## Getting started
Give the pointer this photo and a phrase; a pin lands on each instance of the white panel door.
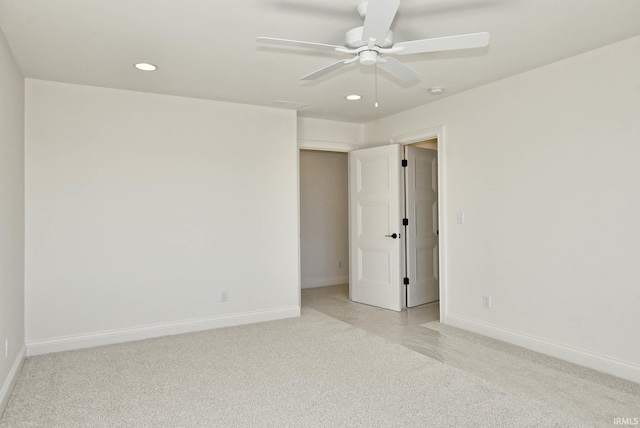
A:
(375, 208)
(422, 232)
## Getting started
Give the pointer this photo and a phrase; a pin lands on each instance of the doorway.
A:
(324, 236)
(421, 223)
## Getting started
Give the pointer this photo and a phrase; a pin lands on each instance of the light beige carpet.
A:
(303, 372)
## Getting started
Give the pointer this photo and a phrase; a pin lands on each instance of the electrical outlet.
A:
(6, 348)
(460, 217)
(486, 301)
(224, 296)
(340, 264)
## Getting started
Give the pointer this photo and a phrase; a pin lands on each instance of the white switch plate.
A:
(460, 217)
(486, 301)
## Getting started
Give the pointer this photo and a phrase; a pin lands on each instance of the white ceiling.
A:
(207, 49)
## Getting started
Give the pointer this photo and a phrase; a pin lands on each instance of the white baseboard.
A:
(622, 369)
(10, 381)
(68, 343)
(324, 282)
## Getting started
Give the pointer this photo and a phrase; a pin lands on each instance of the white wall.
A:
(324, 218)
(545, 167)
(141, 209)
(11, 219)
(331, 135)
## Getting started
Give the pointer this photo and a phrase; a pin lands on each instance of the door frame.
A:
(437, 132)
(401, 139)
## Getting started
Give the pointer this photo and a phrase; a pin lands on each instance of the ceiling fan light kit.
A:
(368, 57)
(372, 43)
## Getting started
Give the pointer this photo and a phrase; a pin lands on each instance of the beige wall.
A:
(11, 218)
(427, 144)
(141, 209)
(545, 167)
(324, 234)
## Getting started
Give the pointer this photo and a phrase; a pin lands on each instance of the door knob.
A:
(393, 235)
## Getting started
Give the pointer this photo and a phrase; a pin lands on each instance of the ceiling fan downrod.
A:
(376, 86)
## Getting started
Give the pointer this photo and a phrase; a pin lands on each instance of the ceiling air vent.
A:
(287, 104)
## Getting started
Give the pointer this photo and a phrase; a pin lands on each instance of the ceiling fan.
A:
(372, 43)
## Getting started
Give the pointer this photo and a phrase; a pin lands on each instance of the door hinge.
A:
(405, 163)
(405, 222)
(406, 281)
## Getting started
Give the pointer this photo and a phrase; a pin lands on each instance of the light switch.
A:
(460, 217)
(486, 301)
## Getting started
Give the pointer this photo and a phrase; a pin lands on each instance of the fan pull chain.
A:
(376, 88)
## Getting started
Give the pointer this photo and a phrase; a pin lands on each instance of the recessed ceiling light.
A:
(145, 66)
(353, 97)
(436, 90)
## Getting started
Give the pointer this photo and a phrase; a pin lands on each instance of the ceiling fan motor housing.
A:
(353, 39)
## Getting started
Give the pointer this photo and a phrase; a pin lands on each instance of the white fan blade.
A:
(328, 69)
(464, 41)
(398, 70)
(297, 43)
(378, 19)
